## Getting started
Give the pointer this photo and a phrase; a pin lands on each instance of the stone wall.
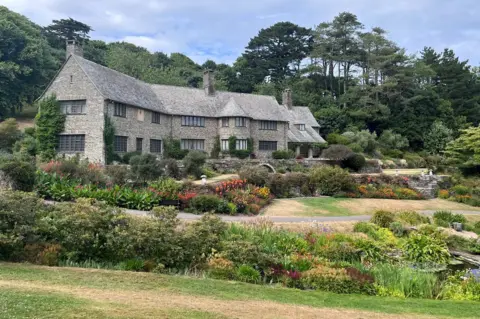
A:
(234, 164)
(426, 185)
(73, 84)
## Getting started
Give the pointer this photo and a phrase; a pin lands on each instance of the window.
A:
(71, 143)
(139, 147)
(241, 145)
(155, 146)
(225, 145)
(120, 144)
(301, 127)
(73, 107)
(225, 121)
(193, 121)
(268, 125)
(192, 145)
(267, 146)
(140, 115)
(156, 117)
(120, 109)
(240, 122)
(71, 79)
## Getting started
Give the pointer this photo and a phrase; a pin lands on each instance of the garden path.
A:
(289, 219)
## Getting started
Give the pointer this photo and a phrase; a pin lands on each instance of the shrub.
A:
(278, 185)
(364, 227)
(247, 273)
(337, 152)
(21, 174)
(194, 162)
(397, 229)
(9, 134)
(355, 162)
(329, 180)
(335, 138)
(423, 249)
(170, 167)
(463, 285)
(283, 154)
(145, 167)
(220, 268)
(205, 203)
(172, 149)
(117, 174)
(128, 156)
(442, 218)
(383, 218)
(443, 194)
(414, 161)
(256, 175)
(412, 218)
(461, 190)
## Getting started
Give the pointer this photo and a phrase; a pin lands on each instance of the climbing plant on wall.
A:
(232, 148)
(109, 139)
(50, 123)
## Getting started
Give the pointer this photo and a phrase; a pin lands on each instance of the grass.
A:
(327, 206)
(31, 291)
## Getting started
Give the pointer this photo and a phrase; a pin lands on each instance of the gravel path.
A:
(288, 219)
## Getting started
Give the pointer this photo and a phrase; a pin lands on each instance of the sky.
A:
(220, 29)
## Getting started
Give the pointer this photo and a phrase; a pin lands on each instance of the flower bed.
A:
(383, 191)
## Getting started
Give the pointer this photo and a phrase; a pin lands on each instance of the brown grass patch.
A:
(304, 227)
(146, 302)
(288, 207)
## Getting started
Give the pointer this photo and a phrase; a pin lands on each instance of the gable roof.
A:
(303, 115)
(119, 87)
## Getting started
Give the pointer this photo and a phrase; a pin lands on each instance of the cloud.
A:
(220, 29)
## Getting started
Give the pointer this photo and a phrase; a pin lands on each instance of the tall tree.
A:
(278, 51)
(67, 29)
(26, 62)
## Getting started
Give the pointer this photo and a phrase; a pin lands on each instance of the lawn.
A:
(42, 292)
(328, 206)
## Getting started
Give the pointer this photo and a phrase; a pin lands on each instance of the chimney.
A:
(208, 82)
(287, 99)
(74, 47)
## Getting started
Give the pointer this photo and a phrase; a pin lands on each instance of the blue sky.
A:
(220, 29)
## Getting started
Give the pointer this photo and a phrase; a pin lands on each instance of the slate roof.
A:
(119, 87)
(176, 100)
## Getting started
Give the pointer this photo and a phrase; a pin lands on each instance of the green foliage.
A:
(423, 249)
(337, 152)
(50, 123)
(9, 134)
(194, 162)
(405, 282)
(412, 218)
(364, 139)
(128, 156)
(27, 63)
(437, 138)
(335, 138)
(171, 168)
(145, 167)
(465, 150)
(364, 227)
(256, 175)
(109, 139)
(329, 180)
(247, 273)
(283, 154)
(446, 218)
(414, 160)
(397, 229)
(172, 149)
(390, 140)
(117, 174)
(461, 190)
(383, 218)
(21, 173)
(355, 162)
(462, 286)
(205, 203)
(216, 148)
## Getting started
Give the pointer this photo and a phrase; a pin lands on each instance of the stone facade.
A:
(73, 84)
(101, 88)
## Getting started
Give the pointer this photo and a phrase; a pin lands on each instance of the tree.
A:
(278, 51)
(26, 62)
(96, 51)
(392, 141)
(67, 29)
(437, 138)
(465, 150)
(9, 134)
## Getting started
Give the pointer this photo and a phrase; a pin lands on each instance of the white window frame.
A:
(192, 144)
(268, 125)
(225, 145)
(240, 122)
(73, 107)
(197, 121)
(241, 145)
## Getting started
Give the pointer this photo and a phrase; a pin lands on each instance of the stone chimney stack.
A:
(287, 99)
(209, 82)
(74, 47)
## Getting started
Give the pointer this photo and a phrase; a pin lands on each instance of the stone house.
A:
(144, 115)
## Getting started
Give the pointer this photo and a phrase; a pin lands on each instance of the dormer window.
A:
(301, 127)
